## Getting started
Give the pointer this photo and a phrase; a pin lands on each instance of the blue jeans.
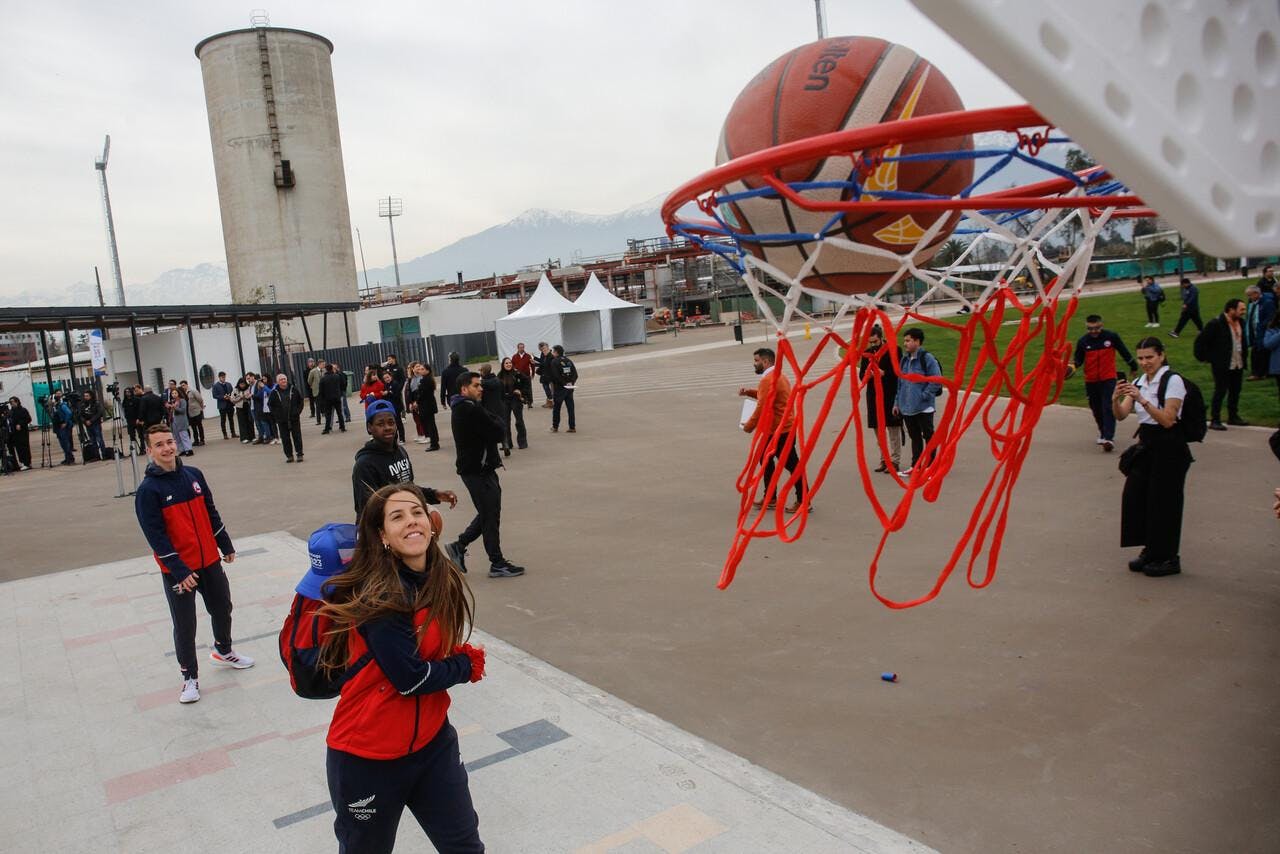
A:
(95, 435)
(1100, 402)
(64, 439)
(264, 428)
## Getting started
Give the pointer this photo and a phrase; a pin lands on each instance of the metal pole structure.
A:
(347, 327)
(66, 342)
(360, 243)
(137, 359)
(195, 365)
(305, 331)
(239, 344)
(101, 166)
(98, 280)
(391, 207)
(48, 370)
(819, 7)
(278, 339)
(324, 332)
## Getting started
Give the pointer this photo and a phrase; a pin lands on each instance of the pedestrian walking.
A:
(1222, 345)
(564, 378)
(1190, 308)
(516, 390)
(915, 398)
(330, 396)
(1096, 351)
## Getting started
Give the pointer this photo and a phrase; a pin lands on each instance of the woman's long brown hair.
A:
(371, 587)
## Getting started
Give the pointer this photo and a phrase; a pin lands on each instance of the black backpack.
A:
(1191, 418)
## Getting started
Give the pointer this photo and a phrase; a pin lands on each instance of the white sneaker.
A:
(1099, 441)
(190, 691)
(24, 468)
(421, 440)
(275, 441)
(905, 473)
(231, 659)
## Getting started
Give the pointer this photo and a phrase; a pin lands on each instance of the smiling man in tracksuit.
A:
(177, 515)
(1096, 351)
(382, 461)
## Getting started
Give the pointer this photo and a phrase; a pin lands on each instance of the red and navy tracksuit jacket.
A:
(1098, 356)
(396, 704)
(181, 524)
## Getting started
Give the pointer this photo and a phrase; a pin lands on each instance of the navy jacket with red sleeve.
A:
(177, 515)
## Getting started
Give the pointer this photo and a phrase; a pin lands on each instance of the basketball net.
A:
(1007, 297)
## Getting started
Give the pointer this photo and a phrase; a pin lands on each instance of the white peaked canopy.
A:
(621, 322)
(548, 316)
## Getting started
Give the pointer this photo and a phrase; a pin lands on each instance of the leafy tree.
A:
(949, 252)
(1078, 160)
(1156, 248)
(1144, 225)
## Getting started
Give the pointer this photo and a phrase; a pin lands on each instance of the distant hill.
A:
(202, 284)
(530, 238)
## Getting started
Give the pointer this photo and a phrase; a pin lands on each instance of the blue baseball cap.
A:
(330, 548)
(377, 408)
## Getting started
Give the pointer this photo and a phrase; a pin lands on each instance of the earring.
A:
(386, 547)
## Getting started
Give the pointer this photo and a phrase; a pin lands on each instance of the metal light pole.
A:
(819, 6)
(101, 166)
(391, 207)
(360, 243)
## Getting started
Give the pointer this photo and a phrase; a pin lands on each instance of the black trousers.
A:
(1259, 361)
(1190, 315)
(245, 416)
(1153, 312)
(1226, 384)
(486, 495)
(920, 429)
(20, 444)
(563, 396)
(330, 408)
(1151, 506)
(791, 463)
(227, 417)
(216, 592)
(369, 796)
(428, 420)
(291, 435)
(311, 406)
(516, 411)
(1099, 395)
(197, 429)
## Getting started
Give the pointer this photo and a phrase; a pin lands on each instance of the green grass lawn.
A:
(1125, 314)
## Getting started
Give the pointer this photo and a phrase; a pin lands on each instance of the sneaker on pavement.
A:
(457, 554)
(190, 691)
(1161, 568)
(300, 459)
(905, 473)
(573, 429)
(288, 459)
(1108, 445)
(506, 569)
(1174, 335)
(421, 440)
(1217, 425)
(231, 659)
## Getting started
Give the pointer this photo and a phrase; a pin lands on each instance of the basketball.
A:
(831, 85)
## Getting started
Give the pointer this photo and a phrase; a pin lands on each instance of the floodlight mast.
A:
(820, 7)
(101, 166)
(391, 207)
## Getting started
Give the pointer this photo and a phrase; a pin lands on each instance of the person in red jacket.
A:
(1096, 352)
(177, 515)
(390, 743)
(372, 389)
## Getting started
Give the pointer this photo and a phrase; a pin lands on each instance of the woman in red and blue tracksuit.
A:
(399, 613)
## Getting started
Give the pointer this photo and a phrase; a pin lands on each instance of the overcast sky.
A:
(470, 111)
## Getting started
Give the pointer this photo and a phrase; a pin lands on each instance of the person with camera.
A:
(129, 408)
(195, 412)
(226, 410)
(91, 421)
(60, 415)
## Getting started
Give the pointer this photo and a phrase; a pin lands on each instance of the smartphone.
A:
(1122, 376)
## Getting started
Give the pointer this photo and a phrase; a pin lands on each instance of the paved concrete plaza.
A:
(1071, 706)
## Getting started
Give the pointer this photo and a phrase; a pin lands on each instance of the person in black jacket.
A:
(424, 405)
(493, 400)
(226, 412)
(564, 377)
(151, 410)
(449, 379)
(516, 391)
(542, 370)
(880, 392)
(129, 406)
(331, 392)
(382, 461)
(1221, 344)
(91, 420)
(476, 434)
(286, 404)
(395, 394)
(19, 424)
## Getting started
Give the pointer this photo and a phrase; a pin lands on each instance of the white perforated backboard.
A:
(1180, 99)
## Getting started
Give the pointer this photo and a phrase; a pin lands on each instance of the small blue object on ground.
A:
(889, 677)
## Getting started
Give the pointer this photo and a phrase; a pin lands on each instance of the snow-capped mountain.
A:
(200, 285)
(530, 238)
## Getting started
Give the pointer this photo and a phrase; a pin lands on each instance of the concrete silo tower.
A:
(277, 155)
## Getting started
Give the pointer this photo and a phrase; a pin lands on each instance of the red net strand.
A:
(1004, 387)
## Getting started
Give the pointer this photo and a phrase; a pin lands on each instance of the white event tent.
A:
(548, 316)
(621, 322)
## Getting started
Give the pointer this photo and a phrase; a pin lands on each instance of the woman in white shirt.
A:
(1151, 507)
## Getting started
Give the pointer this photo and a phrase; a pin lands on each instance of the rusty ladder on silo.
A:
(282, 170)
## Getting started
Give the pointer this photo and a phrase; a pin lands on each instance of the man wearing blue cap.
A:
(382, 460)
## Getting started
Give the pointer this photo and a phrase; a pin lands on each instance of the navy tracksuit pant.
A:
(1099, 395)
(369, 796)
(216, 592)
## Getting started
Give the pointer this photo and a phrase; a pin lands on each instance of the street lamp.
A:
(392, 207)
